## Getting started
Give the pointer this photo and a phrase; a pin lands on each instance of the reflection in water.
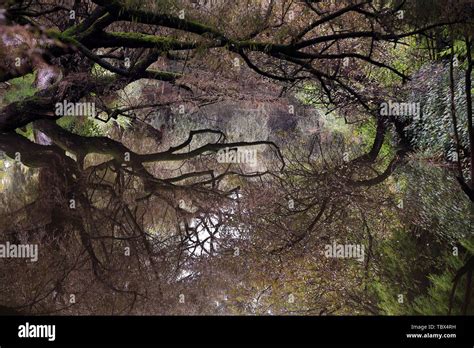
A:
(437, 203)
(224, 239)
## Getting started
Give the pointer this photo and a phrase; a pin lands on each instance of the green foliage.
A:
(100, 72)
(84, 126)
(423, 275)
(20, 88)
(87, 126)
(460, 50)
(418, 262)
(406, 265)
(432, 133)
(402, 58)
(366, 132)
(27, 132)
(436, 199)
(436, 300)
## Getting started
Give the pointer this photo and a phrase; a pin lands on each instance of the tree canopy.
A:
(134, 165)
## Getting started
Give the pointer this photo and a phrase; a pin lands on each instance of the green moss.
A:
(159, 40)
(139, 39)
(54, 33)
(71, 30)
(164, 75)
(100, 72)
(84, 126)
(20, 89)
(27, 132)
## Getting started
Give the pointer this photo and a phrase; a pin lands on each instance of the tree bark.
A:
(469, 108)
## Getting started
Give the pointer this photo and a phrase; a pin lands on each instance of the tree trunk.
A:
(469, 108)
(453, 113)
